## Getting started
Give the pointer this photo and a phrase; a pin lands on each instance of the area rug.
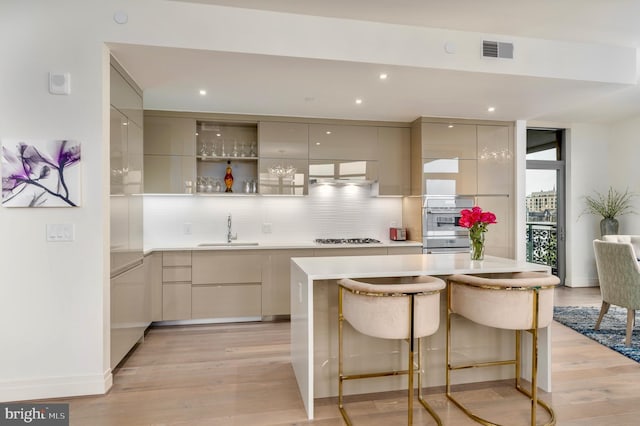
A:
(612, 329)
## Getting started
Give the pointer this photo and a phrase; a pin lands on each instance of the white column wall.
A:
(587, 169)
(54, 317)
(624, 166)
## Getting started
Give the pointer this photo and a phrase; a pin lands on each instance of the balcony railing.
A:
(542, 244)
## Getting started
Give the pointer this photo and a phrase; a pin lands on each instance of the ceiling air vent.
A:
(496, 49)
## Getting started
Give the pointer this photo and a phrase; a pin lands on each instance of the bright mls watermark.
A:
(34, 414)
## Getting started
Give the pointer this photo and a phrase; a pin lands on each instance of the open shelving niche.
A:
(217, 143)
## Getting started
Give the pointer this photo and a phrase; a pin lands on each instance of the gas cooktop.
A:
(346, 241)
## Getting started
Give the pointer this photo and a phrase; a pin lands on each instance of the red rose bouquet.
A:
(477, 221)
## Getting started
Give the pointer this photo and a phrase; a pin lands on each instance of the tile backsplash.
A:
(328, 212)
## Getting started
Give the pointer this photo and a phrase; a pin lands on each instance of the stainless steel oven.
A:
(441, 230)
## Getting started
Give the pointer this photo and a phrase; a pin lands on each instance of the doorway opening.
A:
(545, 199)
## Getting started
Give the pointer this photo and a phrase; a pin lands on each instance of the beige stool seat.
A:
(404, 308)
(521, 301)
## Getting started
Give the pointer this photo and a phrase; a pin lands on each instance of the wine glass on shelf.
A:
(217, 185)
(202, 186)
(234, 153)
(203, 149)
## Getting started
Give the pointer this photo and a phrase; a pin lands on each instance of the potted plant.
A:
(609, 206)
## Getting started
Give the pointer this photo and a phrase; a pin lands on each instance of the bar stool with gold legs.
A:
(520, 301)
(394, 308)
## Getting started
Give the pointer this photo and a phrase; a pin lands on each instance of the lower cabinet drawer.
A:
(226, 300)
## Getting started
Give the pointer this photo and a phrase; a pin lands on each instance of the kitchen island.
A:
(314, 295)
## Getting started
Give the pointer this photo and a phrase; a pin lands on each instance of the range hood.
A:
(343, 172)
(340, 181)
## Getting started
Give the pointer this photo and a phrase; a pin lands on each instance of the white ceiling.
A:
(318, 88)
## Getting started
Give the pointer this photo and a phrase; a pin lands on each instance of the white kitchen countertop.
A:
(320, 268)
(274, 245)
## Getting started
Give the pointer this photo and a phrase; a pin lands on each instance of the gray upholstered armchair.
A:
(619, 276)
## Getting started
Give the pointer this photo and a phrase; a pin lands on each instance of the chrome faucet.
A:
(230, 235)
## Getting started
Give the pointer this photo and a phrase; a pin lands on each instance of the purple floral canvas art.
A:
(43, 173)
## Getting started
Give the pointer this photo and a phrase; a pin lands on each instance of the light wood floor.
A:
(240, 374)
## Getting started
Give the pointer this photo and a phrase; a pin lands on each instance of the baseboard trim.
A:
(55, 387)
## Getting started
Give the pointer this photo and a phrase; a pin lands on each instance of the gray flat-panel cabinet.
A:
(495, 160)
(343, 142)
(283, 140)
(394, 172)
(449, 140)
(169, 154)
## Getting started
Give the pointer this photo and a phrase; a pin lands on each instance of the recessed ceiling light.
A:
(317, 143)
(451, 126)
(328, 132)
(218, 134)
(358, 101)
(383, 76)
(197, 133)
(491, 109)
(203, 92)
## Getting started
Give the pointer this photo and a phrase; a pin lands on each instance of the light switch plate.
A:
(186, 228)
(57, 232)
(266, 228)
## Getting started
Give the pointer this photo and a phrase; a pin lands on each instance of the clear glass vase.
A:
(477, 246)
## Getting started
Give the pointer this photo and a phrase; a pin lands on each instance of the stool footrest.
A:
(547, 408)
(482, 364)
(370, 375)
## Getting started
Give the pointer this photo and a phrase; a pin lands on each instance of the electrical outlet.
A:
(393, 224)
(186, 228)
(266, 228)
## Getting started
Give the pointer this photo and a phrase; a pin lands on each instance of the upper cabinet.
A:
(126, 168)
(169, 136)
(393, 164)
(343, 142)
(190, 153)
(461, 158)
(495, 160)
(224, 147)
(125, 98)
(283, 140)
(449, 140)
(169, 154)
(284, 158)
(117, 151)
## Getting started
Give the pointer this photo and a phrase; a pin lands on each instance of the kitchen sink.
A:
(225, 244)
